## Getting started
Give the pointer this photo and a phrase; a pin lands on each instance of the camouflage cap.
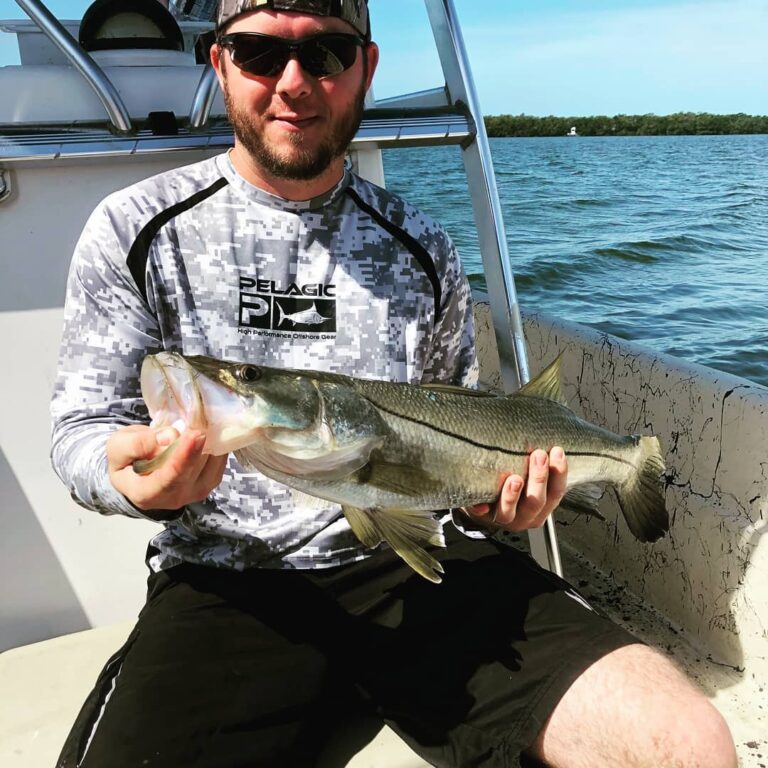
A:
(354, 12)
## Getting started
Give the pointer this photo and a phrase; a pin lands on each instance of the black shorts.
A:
(262, 668)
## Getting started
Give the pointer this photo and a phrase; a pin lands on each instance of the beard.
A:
(303, 163)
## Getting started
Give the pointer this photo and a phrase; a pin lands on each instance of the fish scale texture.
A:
(517, 423)
(200, 262)
(467, 443)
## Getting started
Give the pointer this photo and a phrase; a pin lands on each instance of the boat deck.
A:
(44, 684)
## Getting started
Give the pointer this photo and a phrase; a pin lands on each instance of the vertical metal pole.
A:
(505, 310)
(91, 71)
(203, 98)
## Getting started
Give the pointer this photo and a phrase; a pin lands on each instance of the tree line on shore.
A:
(677, 124)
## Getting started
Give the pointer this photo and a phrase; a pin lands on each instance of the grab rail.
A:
(380, 128)
(91, 71)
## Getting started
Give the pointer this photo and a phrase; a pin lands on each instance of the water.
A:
(662, 240)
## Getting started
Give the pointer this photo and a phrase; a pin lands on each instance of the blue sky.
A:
(570, 57)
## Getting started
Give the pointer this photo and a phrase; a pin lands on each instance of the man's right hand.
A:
(187, 476)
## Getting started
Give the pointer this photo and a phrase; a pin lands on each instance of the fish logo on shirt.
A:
(306, 317)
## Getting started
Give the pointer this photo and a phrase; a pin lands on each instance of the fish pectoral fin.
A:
(250, 458)
(583, 500)
(548, 384)
(406, 531)
(402, 479)
(307, 501)
(331, 465)
(145, 466)
(362, 526)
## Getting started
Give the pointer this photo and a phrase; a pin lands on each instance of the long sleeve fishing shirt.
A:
(199, 261)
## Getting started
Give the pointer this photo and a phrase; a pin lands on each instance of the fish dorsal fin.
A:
(452, 389)
(548, 384)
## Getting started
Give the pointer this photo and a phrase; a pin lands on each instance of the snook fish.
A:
(391, 454)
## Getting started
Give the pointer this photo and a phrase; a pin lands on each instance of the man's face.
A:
(294, 126)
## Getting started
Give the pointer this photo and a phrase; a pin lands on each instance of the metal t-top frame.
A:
(505, 310)
(91, 71)
(80, 59)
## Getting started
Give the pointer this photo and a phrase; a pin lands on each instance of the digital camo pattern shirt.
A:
(198, 261)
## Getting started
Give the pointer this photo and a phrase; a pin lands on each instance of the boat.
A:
(572, 132)
(113, 116)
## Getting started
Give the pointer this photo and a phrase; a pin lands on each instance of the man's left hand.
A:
(527, 504)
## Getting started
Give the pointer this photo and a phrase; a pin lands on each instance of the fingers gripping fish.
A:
(391, 454)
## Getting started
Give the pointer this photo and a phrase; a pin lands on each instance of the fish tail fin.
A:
(640, 496)
(280, 314)
(406, 531)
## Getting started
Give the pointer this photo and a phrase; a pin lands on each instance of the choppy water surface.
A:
(663, 240)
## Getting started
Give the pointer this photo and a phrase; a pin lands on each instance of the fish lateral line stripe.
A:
(417, 250)
(139, 251)
(448, 433)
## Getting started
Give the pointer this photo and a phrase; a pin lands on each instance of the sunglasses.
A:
(320, 55)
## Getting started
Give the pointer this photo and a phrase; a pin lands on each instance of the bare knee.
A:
(634, 708)
(709, 742)
(697, 734)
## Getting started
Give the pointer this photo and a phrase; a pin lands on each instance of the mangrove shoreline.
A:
(677, 124)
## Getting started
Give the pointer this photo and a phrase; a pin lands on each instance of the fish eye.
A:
(248, 373)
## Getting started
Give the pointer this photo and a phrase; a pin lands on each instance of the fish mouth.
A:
(170, 392)
(179, 395)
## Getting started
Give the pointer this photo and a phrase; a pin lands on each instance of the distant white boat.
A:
(572, 132)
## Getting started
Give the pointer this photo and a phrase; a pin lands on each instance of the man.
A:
(267, 624)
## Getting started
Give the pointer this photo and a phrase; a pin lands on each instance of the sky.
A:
(568, 57)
